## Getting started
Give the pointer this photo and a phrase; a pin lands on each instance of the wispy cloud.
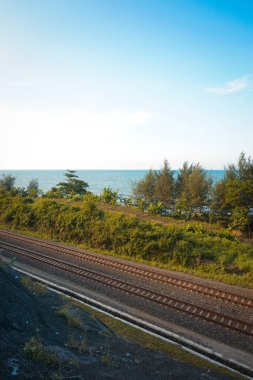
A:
(35, 83)
(232, 86)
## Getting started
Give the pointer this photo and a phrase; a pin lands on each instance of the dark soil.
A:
(81, 346)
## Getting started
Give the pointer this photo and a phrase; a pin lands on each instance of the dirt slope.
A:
(44, 336)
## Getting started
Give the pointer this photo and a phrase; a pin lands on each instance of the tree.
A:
(145, 188)
(193, 189)
(7, 183)
(72, 186)
(164, 186)
(182, 196)
(245, 167)
(221, 201)
(233, 195)
(33, 188)
(156, 187)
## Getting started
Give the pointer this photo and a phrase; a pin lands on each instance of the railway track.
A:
(229, 322)
(134, 269)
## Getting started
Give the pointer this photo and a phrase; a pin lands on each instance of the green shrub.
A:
(189, 246)
(35, 350)
(185, 253)
(33, 286)
(72, 320)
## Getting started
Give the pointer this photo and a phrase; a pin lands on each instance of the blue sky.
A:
(108, 84)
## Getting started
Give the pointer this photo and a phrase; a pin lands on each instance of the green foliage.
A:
(33, 188)
(156, 187)
(189, 246)
(35, 350)
(7, 183)
(239, 218)
(145, 188)
(7, 186)
(155, 208)
(33, 286)
(184, 253)
(193, 188)
(233, 195)
(190, 193)
(72, 320)
(19, 215)
(72, 186)
(53, 193)
(164, 186)
(189, 196)
(105, 359)
(193, 196)
(90, 197)
(109, 196)
(77, 344)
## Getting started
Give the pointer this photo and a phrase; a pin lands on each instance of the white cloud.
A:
(235, 85)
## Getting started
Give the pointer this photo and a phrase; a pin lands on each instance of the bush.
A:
(184, 253)
(35, 350)
(188, 246)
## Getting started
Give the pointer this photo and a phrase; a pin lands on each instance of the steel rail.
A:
(134, 269)
(182, 306)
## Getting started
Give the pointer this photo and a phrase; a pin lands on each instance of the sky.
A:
(109, 84)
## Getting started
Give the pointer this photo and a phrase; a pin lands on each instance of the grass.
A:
(35, 350)
(105, 359)
(151, 342)
(210, 271)
(214, 269)
(74, 363)
(33, 286)
(73, 321)
(80, 345)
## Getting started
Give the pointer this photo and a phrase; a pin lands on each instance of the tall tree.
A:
(222, 203)
(193, 189)
(164, 186)
(233, 195)
(245, 167)
(72, 186)
(7, 183)
(33, 188)
(145, 188)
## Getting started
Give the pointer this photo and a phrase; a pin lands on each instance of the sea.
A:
(118, 180)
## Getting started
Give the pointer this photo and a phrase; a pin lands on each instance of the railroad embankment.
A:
(47, 336)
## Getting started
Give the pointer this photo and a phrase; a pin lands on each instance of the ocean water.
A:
(120, 180)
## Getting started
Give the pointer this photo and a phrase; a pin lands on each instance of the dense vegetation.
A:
(192, 195)
(212, 252)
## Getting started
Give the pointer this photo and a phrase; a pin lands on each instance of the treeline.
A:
(189, 195)
(193, 195)
(69, 188)
(215, 254)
